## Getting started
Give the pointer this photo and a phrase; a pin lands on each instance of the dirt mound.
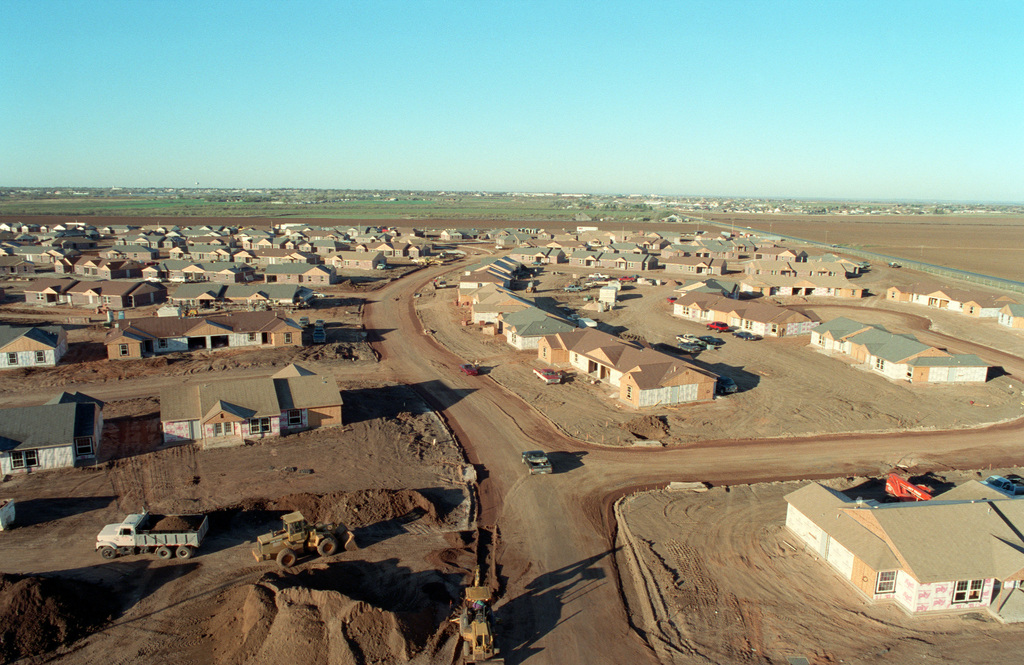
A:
(325, 615)
(173, 523)
(353, 509)
(39, 614)
(647, 427)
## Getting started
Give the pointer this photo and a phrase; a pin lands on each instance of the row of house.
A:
(901, 357)
(759, 318)
(110, 294)
(1006, 310)
(206, 294)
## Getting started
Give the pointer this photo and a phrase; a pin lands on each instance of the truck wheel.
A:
(183, 552)
(108, 552)
(328, 546)
(286, 558)
(163, 552)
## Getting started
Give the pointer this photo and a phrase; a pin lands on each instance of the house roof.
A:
(45, 335)
(46, 425)
(532, 322)
(157, 327)
(958, 360)
(980, 539)
(249, 398)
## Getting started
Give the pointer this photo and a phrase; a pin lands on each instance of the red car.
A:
(719, 326)
(671, 299)
(471, 370)
(548, 375)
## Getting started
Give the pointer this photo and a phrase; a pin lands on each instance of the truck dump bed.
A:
(173, 530)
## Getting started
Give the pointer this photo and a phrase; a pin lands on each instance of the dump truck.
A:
(145, 533)
(297, 536)
(476, 624)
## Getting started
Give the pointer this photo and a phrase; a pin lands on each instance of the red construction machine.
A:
(904, 490)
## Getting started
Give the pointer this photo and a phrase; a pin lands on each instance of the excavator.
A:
(476, 624)
(904, 490)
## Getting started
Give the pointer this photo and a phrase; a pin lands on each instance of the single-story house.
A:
(62, 433)
(1012, 316)
(900, 357)
(49, 290)
(524, 329)
(759, 318)
(924, 556)
(790, 285)
(226, 413)
(116, 294)
(644, 377)
(139, 338)
(32, 346)
(299, 273)
(693, 265)
(355, 261)
(15, 266)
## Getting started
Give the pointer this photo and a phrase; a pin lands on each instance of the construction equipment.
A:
(476, 624)
(904, 490)
(145, 533)
(300, 537)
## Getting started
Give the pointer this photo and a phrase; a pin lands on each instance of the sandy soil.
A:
(776, 376)
(734, 585)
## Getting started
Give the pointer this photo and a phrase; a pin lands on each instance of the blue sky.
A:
(908, 100)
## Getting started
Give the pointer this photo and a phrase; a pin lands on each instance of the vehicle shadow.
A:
(566, 462)
(363, 404)
(39, 511)
(525, 619)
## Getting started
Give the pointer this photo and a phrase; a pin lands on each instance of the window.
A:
(122, 349)
(12, 358)
(23, 459)
(40, 356)
(251, 336)
(287, 338)
(967, 591)
(294, 417)
(513, 340)
(879, 364)
(83, 446)
(259, 425)
(629, 392)
(40, 296)
(544, 352)
(161, 343)
(220, 429)
(886, 582)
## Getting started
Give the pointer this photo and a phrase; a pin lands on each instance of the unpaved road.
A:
(561, 600)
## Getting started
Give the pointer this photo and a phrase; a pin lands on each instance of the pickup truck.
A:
(572, 288)
(537, 461)
(163, 535)
(1008, 486)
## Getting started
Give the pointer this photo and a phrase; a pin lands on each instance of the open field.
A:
(990, 245)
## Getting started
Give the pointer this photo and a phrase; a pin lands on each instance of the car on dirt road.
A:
(537, 461)
(548, 375)
(720, 326)
(711, 341)
(319, 336)
(748, 336)
(629, 278)
(470, 369)
(572, 288)
(725, 386)
(687, 337)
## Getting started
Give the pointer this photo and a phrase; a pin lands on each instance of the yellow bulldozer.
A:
(300, 537)
(476, 624)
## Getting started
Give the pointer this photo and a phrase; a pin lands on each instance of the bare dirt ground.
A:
(392, 474)
(777, 377)
(733, 585)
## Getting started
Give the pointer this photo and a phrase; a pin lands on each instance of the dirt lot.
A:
(777, 377)
(392, 474)
(737, 587)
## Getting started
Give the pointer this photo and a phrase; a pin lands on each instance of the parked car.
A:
(725, 386)
(628, 278)
(671, 299)
(319, 323)
(548, 375)
(304, 321)
(711, 341)
(319, 336)
(895, 265)
(720, 326)
(687, 337)
(598, 275)
(573, 288)
(748, 336)
(537, 461)
(469, 369)
(690, 347)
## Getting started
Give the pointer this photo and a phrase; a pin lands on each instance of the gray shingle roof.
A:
(46, 425)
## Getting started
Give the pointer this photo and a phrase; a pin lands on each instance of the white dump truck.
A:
(163, 535)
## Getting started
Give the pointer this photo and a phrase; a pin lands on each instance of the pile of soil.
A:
(39, 614)
(302, 618)
(647, 427)
(177, 523)
(353, 509)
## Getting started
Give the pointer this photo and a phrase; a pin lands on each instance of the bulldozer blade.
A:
(349, 544)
